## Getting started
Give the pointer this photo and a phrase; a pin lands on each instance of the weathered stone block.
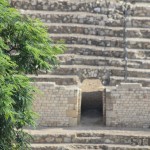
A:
(53, 104)
(72, 113)
(73, 122)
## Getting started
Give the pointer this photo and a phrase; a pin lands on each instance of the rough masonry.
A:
(128, 105)
(57, 105)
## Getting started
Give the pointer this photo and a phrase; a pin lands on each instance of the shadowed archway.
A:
(92, 102)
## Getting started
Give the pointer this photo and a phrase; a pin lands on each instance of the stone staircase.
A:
(85, 28)
(101, 139)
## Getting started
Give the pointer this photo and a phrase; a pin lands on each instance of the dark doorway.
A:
(92, 102)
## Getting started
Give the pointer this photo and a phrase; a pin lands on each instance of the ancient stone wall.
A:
(128, 105)
(57, 105)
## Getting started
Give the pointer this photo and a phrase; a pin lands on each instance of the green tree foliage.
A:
(25, 47)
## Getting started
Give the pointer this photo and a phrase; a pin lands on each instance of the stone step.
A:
(109, 139)
(133, 43)
(87, 18)
(138, 32)
(84, 29)
(141, 9)
(92, 138)
(64, 5)
(137, 9)
(84, 71)
(72, 17)
(88, 40)
(58, 79)
(102, 61)
(63, 28)
(89, 138)
(139, 1)
(74, 80)
(114, 80)
(106, 52)
(117, 132)
(140, 22)
(86, 147)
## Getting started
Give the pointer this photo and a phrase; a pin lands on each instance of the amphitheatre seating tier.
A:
(102, 138)
(101, 61)
(140, 8)
(88, 71)
(133, 43)
(96, 30)
(94, 36)
(59, 80)
(88, 18)
(107, 52)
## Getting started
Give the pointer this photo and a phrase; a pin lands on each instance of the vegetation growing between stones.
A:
(25, 47)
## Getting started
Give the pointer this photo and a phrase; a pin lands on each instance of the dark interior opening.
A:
(92, 104)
